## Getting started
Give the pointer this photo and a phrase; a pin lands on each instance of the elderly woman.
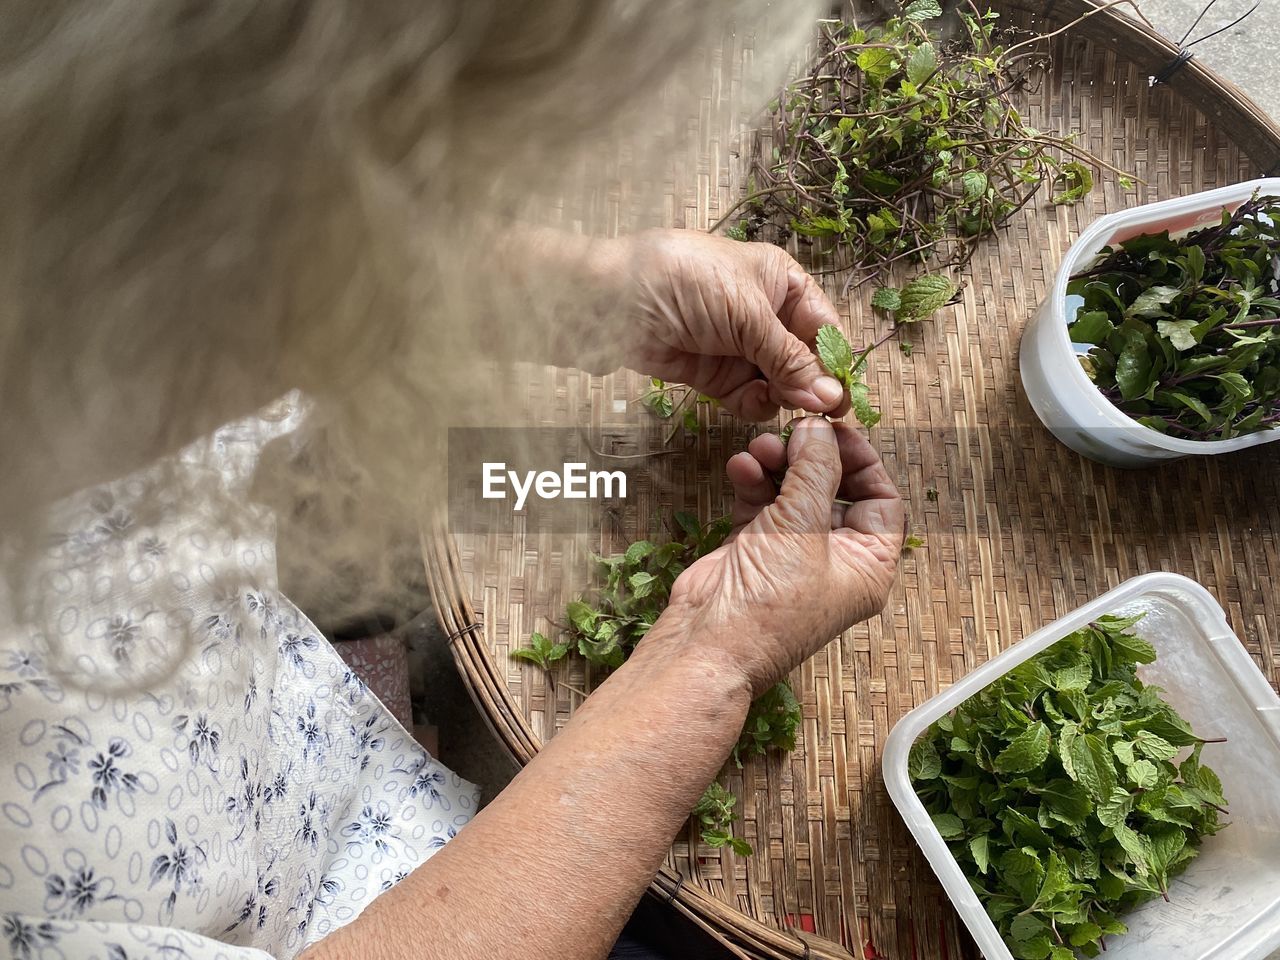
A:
(208, 207)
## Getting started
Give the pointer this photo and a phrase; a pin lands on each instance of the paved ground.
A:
(1247, 55)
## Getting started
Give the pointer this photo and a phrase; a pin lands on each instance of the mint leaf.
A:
(887, 298)
(923, 296)
(1132, 648)
(1116, 808)
(921, 64)
(1143, 774)
(922, 10)
(642, 584)
(979, 849)
(1025, 927)
(1091, 766)
(835, 353)
(771, 724)
(714, 811)
(1026, 752)
(923, 762)
(949, 825)
(877, 63)
(582, 616)
(860, 400)
(1153, 747)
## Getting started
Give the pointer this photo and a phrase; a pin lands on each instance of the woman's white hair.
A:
(204, 205)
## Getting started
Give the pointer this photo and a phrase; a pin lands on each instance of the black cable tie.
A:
(478, 625)
(1185, 56)
(1185, 44)
(675, 891)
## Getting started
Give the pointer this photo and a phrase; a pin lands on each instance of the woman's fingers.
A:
(753, 487)
(876, 506)
(823, 461)
(804, 307)
(796, 377)
(750, 400)
(862, 473)
(769, 449)
(733, 381)
(812, 479)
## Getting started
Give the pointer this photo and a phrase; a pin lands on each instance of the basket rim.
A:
(1220, 100)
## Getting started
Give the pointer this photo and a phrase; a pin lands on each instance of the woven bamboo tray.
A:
(1021, 530)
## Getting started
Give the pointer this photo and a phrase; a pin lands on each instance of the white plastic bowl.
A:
(1226, 906)
(1061, 393)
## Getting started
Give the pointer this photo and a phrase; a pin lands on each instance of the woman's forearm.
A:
(554, 865)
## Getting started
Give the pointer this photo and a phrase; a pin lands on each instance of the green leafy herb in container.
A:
(1059, 791)
(1183, 334)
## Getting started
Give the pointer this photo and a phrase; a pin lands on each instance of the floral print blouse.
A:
(187, 768)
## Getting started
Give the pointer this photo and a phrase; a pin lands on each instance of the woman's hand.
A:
(798, 567)
(609, 791)
(734, 320)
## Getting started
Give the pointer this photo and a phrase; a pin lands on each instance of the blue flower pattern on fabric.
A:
(252, 801)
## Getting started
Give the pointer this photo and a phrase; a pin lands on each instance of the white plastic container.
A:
(1061, 393)
(1226, 906)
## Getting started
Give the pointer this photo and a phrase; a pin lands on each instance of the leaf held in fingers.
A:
(860, 399)
(835, 353)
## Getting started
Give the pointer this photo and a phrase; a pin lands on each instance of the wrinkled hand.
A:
(734, 320)
(798, 567)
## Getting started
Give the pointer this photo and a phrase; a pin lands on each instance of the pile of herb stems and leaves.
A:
(604, 626)
(900, 145)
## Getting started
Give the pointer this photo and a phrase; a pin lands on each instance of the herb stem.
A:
(881, 341)
(1249, 324)
(742, 202)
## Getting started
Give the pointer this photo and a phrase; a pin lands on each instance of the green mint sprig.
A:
(837, 356)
